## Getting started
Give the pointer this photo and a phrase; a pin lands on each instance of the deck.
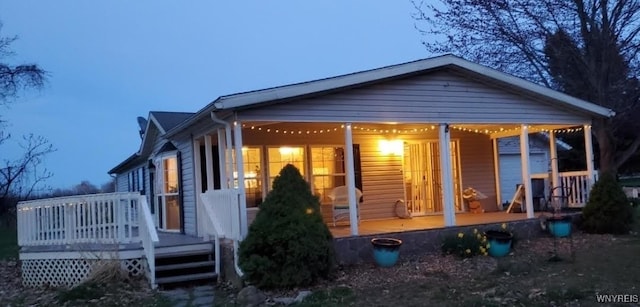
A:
(367, 228)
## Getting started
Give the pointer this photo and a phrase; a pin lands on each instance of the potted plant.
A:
(386, 251)
(559, 225)
(499, 241)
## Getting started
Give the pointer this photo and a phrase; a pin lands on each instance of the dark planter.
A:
(499, 242)
(386, 251)
(559, 226)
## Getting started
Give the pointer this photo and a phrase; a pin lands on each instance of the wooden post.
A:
(526, 169)
(555, 176)
(237, 134)
(588, 148)
(446, 175)
(351, 180)
(496, 172)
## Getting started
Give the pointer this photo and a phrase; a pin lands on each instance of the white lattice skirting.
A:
(69, 272)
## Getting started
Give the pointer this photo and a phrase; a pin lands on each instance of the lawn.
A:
(8, 240)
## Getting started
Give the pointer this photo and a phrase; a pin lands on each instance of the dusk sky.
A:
(111, 61)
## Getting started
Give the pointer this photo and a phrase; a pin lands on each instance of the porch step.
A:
(179, 267)
(186, 278)
(187, 265)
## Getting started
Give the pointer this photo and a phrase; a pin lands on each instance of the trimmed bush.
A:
(288, 244)
(608, 209)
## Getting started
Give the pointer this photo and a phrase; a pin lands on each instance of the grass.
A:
(8, 239)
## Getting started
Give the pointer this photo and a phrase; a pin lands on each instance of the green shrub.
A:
(465, 244)
(288, 244)
(608, 209)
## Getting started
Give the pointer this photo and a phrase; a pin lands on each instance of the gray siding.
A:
(435, 97)
(122, 183)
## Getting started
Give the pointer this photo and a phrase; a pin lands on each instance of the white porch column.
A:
(198, 183)
(553, 160)
(222, 159)
(209, 161)
(496, 172)
(237, 134)
(446, 175)
(526, 169)
(351, 179)
(588, 148)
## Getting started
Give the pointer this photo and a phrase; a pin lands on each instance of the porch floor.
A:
(425, 222)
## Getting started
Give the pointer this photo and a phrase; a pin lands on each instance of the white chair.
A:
(340, 203)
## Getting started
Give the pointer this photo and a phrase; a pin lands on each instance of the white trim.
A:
(351, 180)
(380, 74)
(526, 169)
(444, 136)
(300, 89)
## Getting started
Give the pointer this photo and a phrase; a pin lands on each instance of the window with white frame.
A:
(327, 170)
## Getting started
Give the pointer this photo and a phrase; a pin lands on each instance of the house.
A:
(412, 136)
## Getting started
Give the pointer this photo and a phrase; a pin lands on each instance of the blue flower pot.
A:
(386, 251)
(499, 242)
(559, 226)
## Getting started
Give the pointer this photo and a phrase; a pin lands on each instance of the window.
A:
(169, 193)
(252, 164)
(279, 157)
(327, 170)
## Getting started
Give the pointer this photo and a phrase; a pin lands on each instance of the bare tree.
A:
(20, 177)
(587, 48)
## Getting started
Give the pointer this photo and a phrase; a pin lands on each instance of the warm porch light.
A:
(391, 147)
(288, 151)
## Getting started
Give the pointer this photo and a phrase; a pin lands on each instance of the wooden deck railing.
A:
(574, 186)
(98, 218)
(220, 218)
(148, 238)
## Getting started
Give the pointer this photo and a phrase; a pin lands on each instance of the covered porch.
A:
(418, 169)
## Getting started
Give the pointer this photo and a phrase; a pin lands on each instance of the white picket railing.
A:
(148, 237)
(575, 186)
(97, 218)
(222, 217)
(219, 217)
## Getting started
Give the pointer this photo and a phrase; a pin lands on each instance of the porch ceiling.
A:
(493, 130)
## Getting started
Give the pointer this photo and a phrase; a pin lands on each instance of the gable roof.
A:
(162, 122)
(168, 120)
(322, 86)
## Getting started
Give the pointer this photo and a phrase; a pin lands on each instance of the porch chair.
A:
(340, 203)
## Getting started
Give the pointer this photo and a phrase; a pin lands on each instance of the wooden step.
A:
(160, 255)
(187, 265)
(183, 278)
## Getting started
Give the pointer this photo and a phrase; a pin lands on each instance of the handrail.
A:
(149, 237)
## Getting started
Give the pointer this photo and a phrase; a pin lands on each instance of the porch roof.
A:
(333, 84)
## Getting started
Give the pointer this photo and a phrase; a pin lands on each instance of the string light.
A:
(502, 130)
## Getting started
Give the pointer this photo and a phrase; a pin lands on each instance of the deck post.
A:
(555, 175)
(526, 169)
(588, 148)
(209, 160)
(222, 154)
(446, 175)
(351, 180)
(496, 172)
(237, 134)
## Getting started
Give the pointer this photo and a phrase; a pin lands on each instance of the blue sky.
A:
(111, 61)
